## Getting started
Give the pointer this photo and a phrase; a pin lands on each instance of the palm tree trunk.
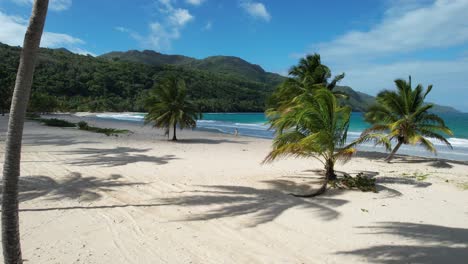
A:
(329, 176)
(174, 137)
(390, 157)
(11, 169)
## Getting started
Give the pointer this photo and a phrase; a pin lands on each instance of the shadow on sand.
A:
(262, 205)
(74, 186)
(398, 159)
(209, 141)
(49, 140)
(113, 157)
(436, 244)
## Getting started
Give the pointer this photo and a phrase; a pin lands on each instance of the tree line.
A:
(64, 81)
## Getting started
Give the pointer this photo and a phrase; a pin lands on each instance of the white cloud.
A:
(160, 37)
(392, 49)
(256, 10)
(448, 77)
(14, 27)
(442, 24)
(82, 51)
(162, 33)
(195, 2)
(180, 17)
(55, 5)
(122, 29)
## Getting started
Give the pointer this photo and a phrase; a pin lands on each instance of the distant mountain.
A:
(120, 81)
(225, 65)
(239, 68)
(358, 101)
(149, 57)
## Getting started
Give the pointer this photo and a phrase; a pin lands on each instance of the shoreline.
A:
(89, 198)
(91, 117)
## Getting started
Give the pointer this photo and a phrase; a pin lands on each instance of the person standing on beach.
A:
(236, 132)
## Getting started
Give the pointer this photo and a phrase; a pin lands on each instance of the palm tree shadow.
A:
(436, 244)
(401, 158)
(262, 205)
(75, 187)
(113, 157)
(209, 141)
(51, 140)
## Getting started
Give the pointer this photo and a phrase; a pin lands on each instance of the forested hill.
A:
(223, 65)
(86, 83)
(120, 81)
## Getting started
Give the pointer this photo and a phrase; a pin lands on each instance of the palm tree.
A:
(404, 116)
(308, 76)
(313, 126)
(169, 107)
(11, 169)
(310, 70)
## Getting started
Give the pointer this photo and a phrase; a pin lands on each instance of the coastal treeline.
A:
(64, 81)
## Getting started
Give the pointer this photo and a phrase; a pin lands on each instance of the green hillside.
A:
(120, 81)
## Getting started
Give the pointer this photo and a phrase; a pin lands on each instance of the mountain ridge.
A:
(119, 81)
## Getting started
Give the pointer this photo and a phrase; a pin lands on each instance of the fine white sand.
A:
(89, 198)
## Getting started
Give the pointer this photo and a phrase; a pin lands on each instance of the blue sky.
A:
(372, 41)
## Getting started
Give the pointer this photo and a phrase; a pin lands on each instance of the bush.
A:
(360, 182)
(56, 122)
(82, 125)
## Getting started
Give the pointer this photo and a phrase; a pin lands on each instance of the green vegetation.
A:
(64, 81)
(463, 186)
(168, 107)
(226, 66)
(120, 81)
(404, 116)
(419, 176)
(82, 125)
(55, 122)
(360, 182)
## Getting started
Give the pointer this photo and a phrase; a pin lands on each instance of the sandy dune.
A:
(88, 198)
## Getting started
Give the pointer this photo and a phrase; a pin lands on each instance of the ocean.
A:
(254, 125)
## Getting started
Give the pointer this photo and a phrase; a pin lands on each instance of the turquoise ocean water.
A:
(254, 125)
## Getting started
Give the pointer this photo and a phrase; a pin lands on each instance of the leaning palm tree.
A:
(11, 169)
(168, 107)
(314, 125)
(405, 118)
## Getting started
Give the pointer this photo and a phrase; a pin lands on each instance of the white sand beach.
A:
(138, 198)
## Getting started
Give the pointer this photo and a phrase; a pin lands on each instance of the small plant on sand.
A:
(419, 176)
(359, 182)
(82, 125)
(463, 186)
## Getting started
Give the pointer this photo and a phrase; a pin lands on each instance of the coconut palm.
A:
(404, 117)
(168, 107)
(306, 77)
(313, 126)
(11, 168)
(310, 70)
